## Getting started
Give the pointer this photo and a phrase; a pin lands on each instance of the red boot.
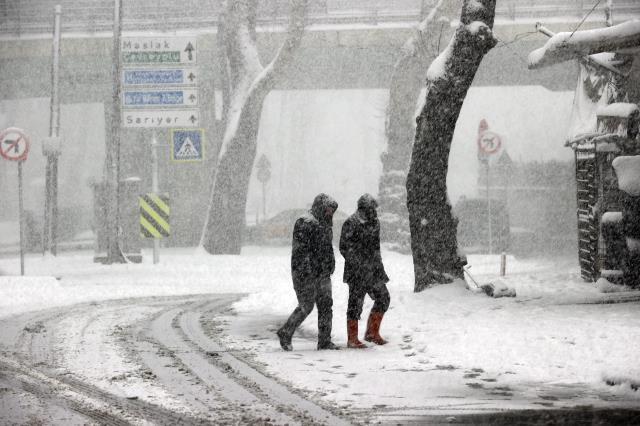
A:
(352, 335)
(373, 328)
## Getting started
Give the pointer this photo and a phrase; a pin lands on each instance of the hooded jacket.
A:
(311, 248)
(360, 245)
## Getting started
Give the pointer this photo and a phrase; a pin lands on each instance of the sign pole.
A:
(21, 218)
(51, 185)
(14, 146)
(489, 211)
(155, 189)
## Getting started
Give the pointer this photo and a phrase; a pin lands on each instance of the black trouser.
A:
(378, 292)
(310, 292)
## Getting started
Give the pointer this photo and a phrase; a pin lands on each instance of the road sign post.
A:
(264, 174)
(14, 146)
(155, 187)
(160, 90)
(489, 143)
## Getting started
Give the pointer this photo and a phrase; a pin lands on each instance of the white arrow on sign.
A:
(161, 118)
(160, 77)
(146, 98)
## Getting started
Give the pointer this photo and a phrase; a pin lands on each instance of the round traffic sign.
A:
(14, 144)
(489, 142)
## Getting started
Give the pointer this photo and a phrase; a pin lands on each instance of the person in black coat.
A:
(364, 271)
(312, 263)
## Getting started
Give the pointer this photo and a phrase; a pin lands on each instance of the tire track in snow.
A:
(151, 331)
(277, 393)
(198, 363)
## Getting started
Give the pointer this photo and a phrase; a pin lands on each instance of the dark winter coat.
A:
(312, 249)
(360, 246)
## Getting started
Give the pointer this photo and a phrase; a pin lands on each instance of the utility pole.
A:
(114, 254)
(155, 188)
(52, 148)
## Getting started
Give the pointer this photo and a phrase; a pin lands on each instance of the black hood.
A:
(319, 208)
(367, 207)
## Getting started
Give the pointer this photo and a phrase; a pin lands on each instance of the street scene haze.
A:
(319, 212)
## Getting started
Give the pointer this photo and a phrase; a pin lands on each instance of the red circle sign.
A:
(14, 144)
(489, 142)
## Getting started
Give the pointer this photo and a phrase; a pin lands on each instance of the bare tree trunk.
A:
(407, 80)
(433, 228)
(249, 84)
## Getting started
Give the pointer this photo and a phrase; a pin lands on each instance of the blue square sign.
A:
(187, 145)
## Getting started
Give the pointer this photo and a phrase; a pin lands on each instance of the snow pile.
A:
(611, 218)
(618, 109)
(605, 286)
(24, 293)
(628, 171)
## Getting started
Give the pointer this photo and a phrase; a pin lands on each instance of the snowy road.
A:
(175, 342)
(126, 361)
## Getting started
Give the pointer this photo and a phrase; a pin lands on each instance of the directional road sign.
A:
(157, 118)
(14, 144)
(160, 98)
(187, 145)
(158, 50)
(160, 77)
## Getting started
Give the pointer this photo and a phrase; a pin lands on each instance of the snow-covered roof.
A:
(623, 38)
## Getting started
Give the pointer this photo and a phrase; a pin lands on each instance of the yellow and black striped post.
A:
(154, 216)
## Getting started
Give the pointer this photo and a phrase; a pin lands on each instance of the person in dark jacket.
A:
(312, 263)
(364, 271)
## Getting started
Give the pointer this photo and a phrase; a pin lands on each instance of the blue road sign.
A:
(187, 144)
(158, 77)
(174, 97)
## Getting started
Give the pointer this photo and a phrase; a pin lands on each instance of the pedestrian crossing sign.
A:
(187, 145)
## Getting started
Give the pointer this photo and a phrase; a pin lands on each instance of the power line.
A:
(584, 19)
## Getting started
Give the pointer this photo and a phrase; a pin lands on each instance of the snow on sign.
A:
(160, 77)
(159, 50)
(187, 145)
(161, 118)
(170, 97)
(14, 144)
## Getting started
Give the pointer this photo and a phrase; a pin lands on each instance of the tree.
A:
(433, 228)
(407, 80)
(248, 83)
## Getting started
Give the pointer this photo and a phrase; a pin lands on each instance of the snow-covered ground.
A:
(451, 350)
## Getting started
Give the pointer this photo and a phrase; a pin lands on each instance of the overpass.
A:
(349, 45)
